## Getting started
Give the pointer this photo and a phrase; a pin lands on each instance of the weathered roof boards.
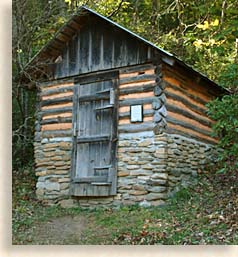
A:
(119, 120)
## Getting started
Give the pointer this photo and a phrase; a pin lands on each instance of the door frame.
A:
(87, 79)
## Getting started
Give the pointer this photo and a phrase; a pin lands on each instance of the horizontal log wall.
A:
(141, 85)
(55, 112)
(54, 116)
(186, 105)
(136, 87)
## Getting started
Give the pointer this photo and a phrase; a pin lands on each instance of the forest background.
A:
(202, 33)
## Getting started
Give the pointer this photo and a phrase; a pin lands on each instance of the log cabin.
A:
(119, 121)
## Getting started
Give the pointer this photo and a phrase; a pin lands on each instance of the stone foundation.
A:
(151, 168)
(142, 173)
(53, 161)
(185, 158)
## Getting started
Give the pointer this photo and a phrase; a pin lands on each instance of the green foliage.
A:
(229, 78)
(225, 112)
(183, 194)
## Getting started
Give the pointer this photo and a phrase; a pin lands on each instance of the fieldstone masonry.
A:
(53, 161)
(151, 168)
(185, 157)
(142, 168)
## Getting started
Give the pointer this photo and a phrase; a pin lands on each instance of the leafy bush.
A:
(225, 112)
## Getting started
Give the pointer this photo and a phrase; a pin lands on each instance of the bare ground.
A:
(62, 230)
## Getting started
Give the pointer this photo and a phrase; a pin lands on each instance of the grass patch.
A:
(202, 214)
(194, 216)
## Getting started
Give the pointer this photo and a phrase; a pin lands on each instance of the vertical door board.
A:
(93, 169)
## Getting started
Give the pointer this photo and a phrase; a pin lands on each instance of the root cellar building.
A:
(119, 120)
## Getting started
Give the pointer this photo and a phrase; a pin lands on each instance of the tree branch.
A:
(117, 10)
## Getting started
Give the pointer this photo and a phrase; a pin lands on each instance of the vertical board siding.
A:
(73, 45)
(97, 48)
(186, 105)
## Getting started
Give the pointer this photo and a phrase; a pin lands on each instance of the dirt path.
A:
(62, 230)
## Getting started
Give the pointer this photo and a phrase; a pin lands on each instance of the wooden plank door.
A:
(95, 135)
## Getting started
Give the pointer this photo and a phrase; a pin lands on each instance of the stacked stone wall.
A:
(52, 160)
(142, 176)
(151, 168)
(185, 159)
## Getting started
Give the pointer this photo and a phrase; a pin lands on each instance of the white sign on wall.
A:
(136, 113)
